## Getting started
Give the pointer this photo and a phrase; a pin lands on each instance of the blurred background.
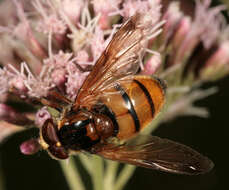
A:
(208, 136)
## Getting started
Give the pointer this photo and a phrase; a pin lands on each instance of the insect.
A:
(113, 105)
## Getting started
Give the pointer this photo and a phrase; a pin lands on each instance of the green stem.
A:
(97, 173)
(124, 176)
(86, 162)
(72, 175)
(110, 174)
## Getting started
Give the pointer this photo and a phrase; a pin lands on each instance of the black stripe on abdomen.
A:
(129, 106)
(147, 94)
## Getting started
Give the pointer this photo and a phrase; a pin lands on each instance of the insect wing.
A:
(120, 58)
(160, 154)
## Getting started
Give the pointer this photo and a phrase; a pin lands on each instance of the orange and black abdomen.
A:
(132, 104)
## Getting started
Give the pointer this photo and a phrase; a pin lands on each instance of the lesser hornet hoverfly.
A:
(114, 103)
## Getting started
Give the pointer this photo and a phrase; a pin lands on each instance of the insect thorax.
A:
(85, 129)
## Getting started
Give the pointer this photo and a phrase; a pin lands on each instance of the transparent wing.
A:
(160, 154)
(120, 58)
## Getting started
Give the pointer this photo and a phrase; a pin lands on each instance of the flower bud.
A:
(172, 17)
(181, 32)
(221, 56)
(218, 63)
(72, 9)
(152, 64)
(82, 57)
(18, 83)
(59, 77)
(23, 31)
(105, 21)
(41, 116)
(104, 8)
(30, 147)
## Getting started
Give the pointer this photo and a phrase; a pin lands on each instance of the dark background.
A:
(208, 136)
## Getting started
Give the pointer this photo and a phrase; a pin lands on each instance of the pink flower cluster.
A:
(195, 38)
(61, 43)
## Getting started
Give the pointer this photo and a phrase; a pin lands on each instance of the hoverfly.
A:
(115, 104)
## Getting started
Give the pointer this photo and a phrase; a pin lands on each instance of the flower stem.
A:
(110, 175)
(97, 173)
(124, 176)
(71, 174)
(86, 162)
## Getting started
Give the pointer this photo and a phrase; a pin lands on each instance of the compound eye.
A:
(49, 132)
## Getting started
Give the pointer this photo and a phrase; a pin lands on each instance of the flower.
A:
(205, 28)
(41, 116)
(152, 64)
(73, 9)
(105, 9)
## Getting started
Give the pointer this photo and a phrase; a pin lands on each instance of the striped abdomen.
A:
(133, 104)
